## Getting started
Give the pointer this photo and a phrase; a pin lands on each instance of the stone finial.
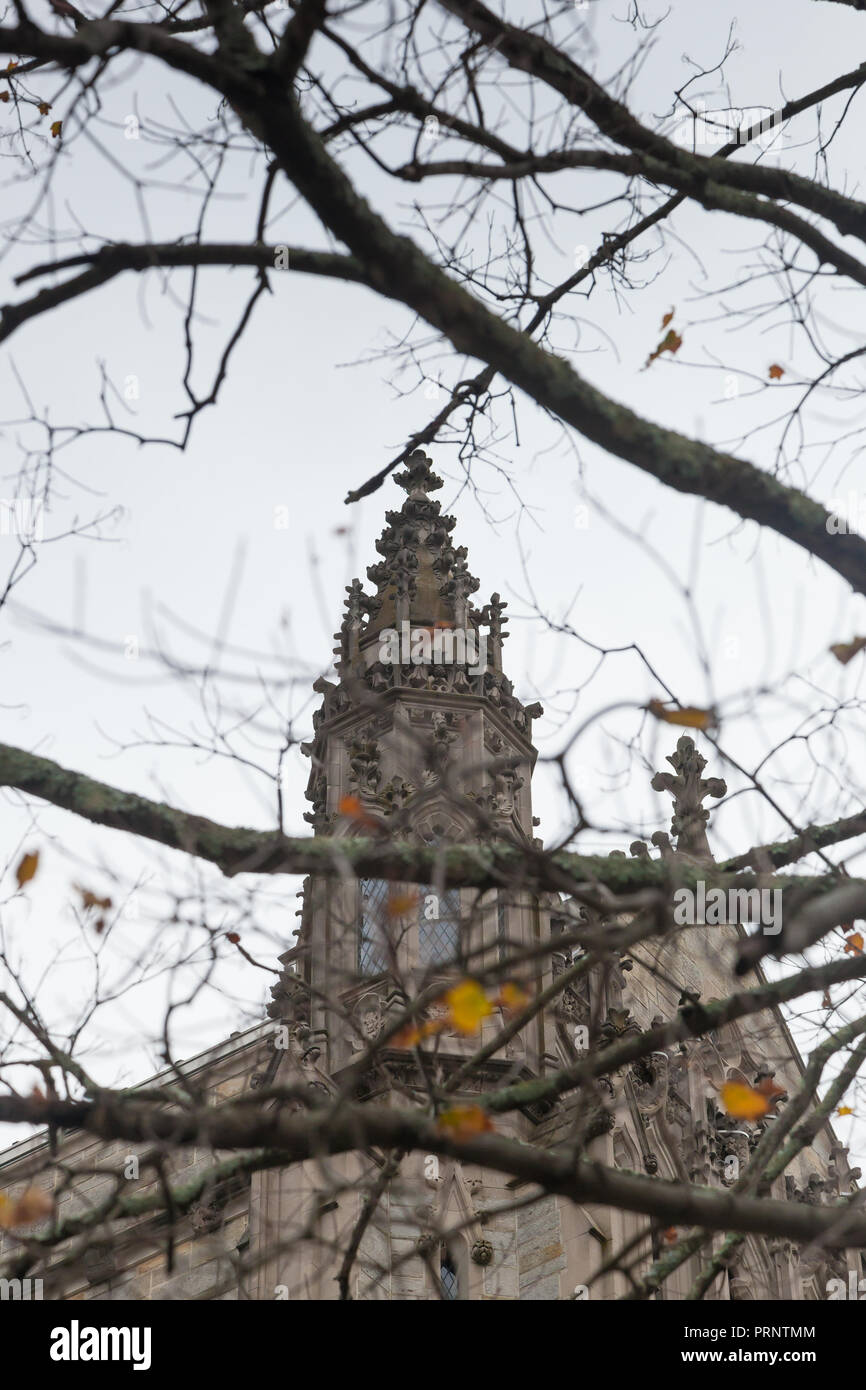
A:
(418, 478)
(688, 789)
(493, 616)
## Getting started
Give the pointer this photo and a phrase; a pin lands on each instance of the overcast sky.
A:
(310, 409)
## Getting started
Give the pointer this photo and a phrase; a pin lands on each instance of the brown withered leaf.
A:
(671, 342)
(27, 867)
(89, 899)
(667, 318)
(846, 651)
(776, 372)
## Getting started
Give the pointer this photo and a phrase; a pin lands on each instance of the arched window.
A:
(449, 1283)
(438, 925)
(372, 907)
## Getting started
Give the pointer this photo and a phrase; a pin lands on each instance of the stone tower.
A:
(422, 736)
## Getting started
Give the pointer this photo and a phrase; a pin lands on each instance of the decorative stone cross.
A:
(493, 615)
(688, 789)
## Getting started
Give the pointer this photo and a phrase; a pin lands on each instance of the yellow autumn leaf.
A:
(27, 868)
(44, 108)
(467, 1005)
(463, 1121)
(854, 945)
(689, 716)
(743, 1102)
(844, 1110)
(56, 128)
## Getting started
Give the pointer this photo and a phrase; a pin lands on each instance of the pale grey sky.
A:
(308, 412)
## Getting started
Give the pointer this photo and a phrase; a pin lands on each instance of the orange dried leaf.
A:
(512, 997)
(401, 903)
(667, 318)
(844, 1110)
(33, 1205)
(689, 716)
(44, 108)
(463, 1121)
(776, 372)
(467, 1006)
(854, 945)
(768, 1088)
(350, 806)
(671, 342)
(743, 1102)
(414, 1033)
(846, 651)
(408, 1036)
(27, 868)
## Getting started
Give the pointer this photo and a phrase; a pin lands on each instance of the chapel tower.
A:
(422, 739)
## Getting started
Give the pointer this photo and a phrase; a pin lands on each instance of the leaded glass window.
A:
(438, 925)
(372, 910)
(448, 1280)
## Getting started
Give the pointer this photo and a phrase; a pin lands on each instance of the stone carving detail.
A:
(364, 771)
(689, 788)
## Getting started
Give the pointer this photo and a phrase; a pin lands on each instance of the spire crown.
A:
(418, 478)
